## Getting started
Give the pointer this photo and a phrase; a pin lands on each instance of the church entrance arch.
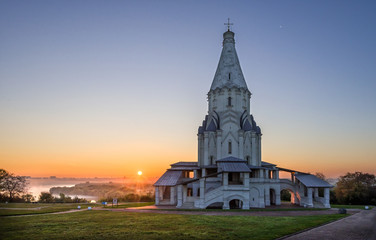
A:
(287, 195)
(272, 197)
(293, 199)
(236, 204)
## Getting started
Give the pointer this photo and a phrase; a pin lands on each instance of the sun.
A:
(139, 173)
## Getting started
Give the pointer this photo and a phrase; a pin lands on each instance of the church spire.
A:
(229, 73)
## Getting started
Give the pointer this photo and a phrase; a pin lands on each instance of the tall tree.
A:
(355, 188)
(12, 185)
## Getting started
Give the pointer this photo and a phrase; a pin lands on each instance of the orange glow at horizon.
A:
(124, 157)
(111, 163)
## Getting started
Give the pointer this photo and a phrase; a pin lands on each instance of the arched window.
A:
(229, 148)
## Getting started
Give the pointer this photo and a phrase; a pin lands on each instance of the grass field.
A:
(39, 208)
(125, 225)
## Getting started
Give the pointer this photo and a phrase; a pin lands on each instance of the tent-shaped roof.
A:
(233, 164)
(310, 180)
(229, 73)
(231, 159)
(185, 164)
(169, 178)
(233, 167)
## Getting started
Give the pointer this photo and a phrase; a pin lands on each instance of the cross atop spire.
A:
(228, 24)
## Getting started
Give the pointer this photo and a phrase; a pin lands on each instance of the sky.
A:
(108, 88)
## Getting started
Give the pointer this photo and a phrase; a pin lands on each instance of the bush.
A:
(46, 197)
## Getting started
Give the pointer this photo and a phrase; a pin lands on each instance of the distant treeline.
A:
(108, 191)
(46, 197)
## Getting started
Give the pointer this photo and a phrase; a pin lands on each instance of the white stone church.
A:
(230, 172)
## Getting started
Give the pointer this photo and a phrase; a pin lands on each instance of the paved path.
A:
(360, 226)
(230, 213)
(41, 214)
(36, 208)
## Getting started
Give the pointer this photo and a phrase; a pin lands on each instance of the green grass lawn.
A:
(126, 225)
(350, 206)
(39, 208)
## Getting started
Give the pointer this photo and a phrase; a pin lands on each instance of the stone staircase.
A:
(216, 195)
(317, 204)
(187, 205)
(165, 202)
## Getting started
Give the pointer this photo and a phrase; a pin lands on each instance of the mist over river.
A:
(136, 185)
(38, 185)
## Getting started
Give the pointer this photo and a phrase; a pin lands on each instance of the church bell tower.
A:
(229, 130)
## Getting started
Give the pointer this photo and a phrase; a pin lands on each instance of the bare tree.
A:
(320, 175)
(11, 184)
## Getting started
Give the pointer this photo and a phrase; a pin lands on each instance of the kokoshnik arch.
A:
(230, 172)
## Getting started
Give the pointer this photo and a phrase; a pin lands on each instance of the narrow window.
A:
(229, 76)
(229, 148)
(229, 101)
(211, 160)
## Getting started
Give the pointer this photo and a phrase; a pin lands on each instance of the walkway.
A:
(47, 213)
(170, 210)
(360, 226)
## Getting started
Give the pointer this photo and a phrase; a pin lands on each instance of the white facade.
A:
(230, 172)
(229, 129)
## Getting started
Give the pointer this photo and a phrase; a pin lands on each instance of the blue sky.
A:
(85, 82)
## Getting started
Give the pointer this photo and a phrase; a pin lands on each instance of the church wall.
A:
(212, 148)
(209, 142)
(229, 116)
(200, 149)
(229, 142)
(254, 195)
(247, 147)
(218, 100)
